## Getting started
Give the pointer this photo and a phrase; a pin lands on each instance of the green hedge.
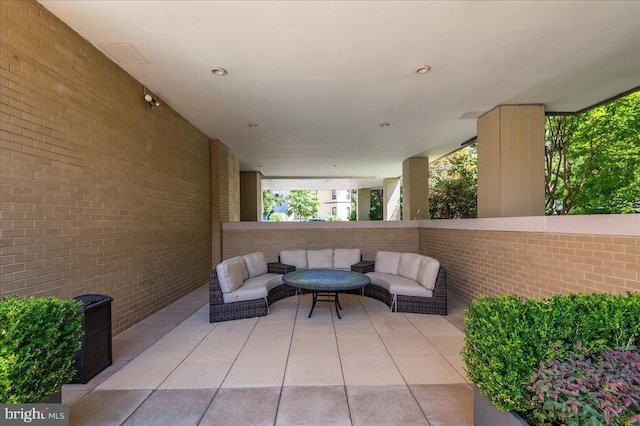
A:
(507, 337)
(38, 341)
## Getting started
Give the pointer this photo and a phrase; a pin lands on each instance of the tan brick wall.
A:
(99, 194)
(234, 189)
(225, 194)
(238, 242)
(534, 263)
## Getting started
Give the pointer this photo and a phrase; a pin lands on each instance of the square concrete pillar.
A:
(250, 196)
(511, 161)
(364, 204)
(415, 188)
(391, 196)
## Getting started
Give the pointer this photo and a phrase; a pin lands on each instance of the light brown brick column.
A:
(391, 197)
(511, 161)
(364, 204)
(250, 196)
(415, 188)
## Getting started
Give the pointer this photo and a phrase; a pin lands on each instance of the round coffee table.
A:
(326, 283)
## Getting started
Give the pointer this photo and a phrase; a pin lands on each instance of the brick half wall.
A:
(528, 263)
(248, 237)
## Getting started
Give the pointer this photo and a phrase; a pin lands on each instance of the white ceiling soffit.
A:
(318, 77)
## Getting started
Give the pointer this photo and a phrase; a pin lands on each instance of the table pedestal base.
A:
(326, 297)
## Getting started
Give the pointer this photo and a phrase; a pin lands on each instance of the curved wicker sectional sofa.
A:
(245, 286)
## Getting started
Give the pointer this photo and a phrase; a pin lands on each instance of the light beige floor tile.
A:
(169, 349)
(459, 365)
(267, 346)
(361, 345)
(218, 348)
(199, 374)
(408, 344)
(372, 305)
(448, 344)
(270, 328)
(140, 375)
(430, 325)
(370, 370)
(263, 371)
(314, 326)
(392, 323)
(427, 370)
(195, 330)
(356, 326)
(230, 329)
(313, 371)
(313, 344)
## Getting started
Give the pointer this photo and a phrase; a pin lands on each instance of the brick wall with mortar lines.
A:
(533, 263)
(270, 242)
(99, 194)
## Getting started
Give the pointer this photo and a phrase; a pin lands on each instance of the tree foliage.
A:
(377, 199)
(303, 203)
(593, 160)
(453, 185)
(270, 200)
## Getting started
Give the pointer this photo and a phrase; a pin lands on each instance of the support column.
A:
(415, 188)
(364, 204)
(391, 196)
(250, 196)
(511, 161)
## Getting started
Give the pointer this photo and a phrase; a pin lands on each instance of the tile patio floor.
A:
(373, 367)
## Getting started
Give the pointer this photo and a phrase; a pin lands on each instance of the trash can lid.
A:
(90, 299)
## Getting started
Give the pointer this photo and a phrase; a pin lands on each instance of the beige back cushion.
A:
(231, 274)
(320, 258)
(409, 265)
(256, 265)
(428, 272)
(344, 258)
(387, 262)
(297, 258)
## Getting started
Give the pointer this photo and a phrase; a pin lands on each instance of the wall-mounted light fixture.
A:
(150, 99)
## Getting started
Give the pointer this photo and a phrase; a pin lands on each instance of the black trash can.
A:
(95, 354)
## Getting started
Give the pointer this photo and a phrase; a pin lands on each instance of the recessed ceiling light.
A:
(384, 125)
(219, 71)
(252, 125)
(423, 69)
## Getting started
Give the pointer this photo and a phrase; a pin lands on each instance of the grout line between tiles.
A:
(293, 329)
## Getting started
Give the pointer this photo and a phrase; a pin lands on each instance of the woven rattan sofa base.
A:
(220, 311)
(435, 305)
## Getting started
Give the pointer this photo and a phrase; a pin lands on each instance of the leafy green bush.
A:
(38, 341)
(585, 390)
(507, 337)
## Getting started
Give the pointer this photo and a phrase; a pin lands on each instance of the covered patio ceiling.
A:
(320, 77)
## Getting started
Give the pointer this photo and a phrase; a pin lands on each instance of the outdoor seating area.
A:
(371, 367)
(245, 286)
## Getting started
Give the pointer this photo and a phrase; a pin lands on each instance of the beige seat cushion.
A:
(409, 265)
(231, 274)
(320, 258)
(344, 258)
(256, 265)
(428, 272)
(387, 262)
(297, 258)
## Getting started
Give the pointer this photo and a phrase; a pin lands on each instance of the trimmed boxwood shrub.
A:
(38, 341)
(508, 336)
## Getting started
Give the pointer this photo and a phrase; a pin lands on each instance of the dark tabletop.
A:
(326, 279)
